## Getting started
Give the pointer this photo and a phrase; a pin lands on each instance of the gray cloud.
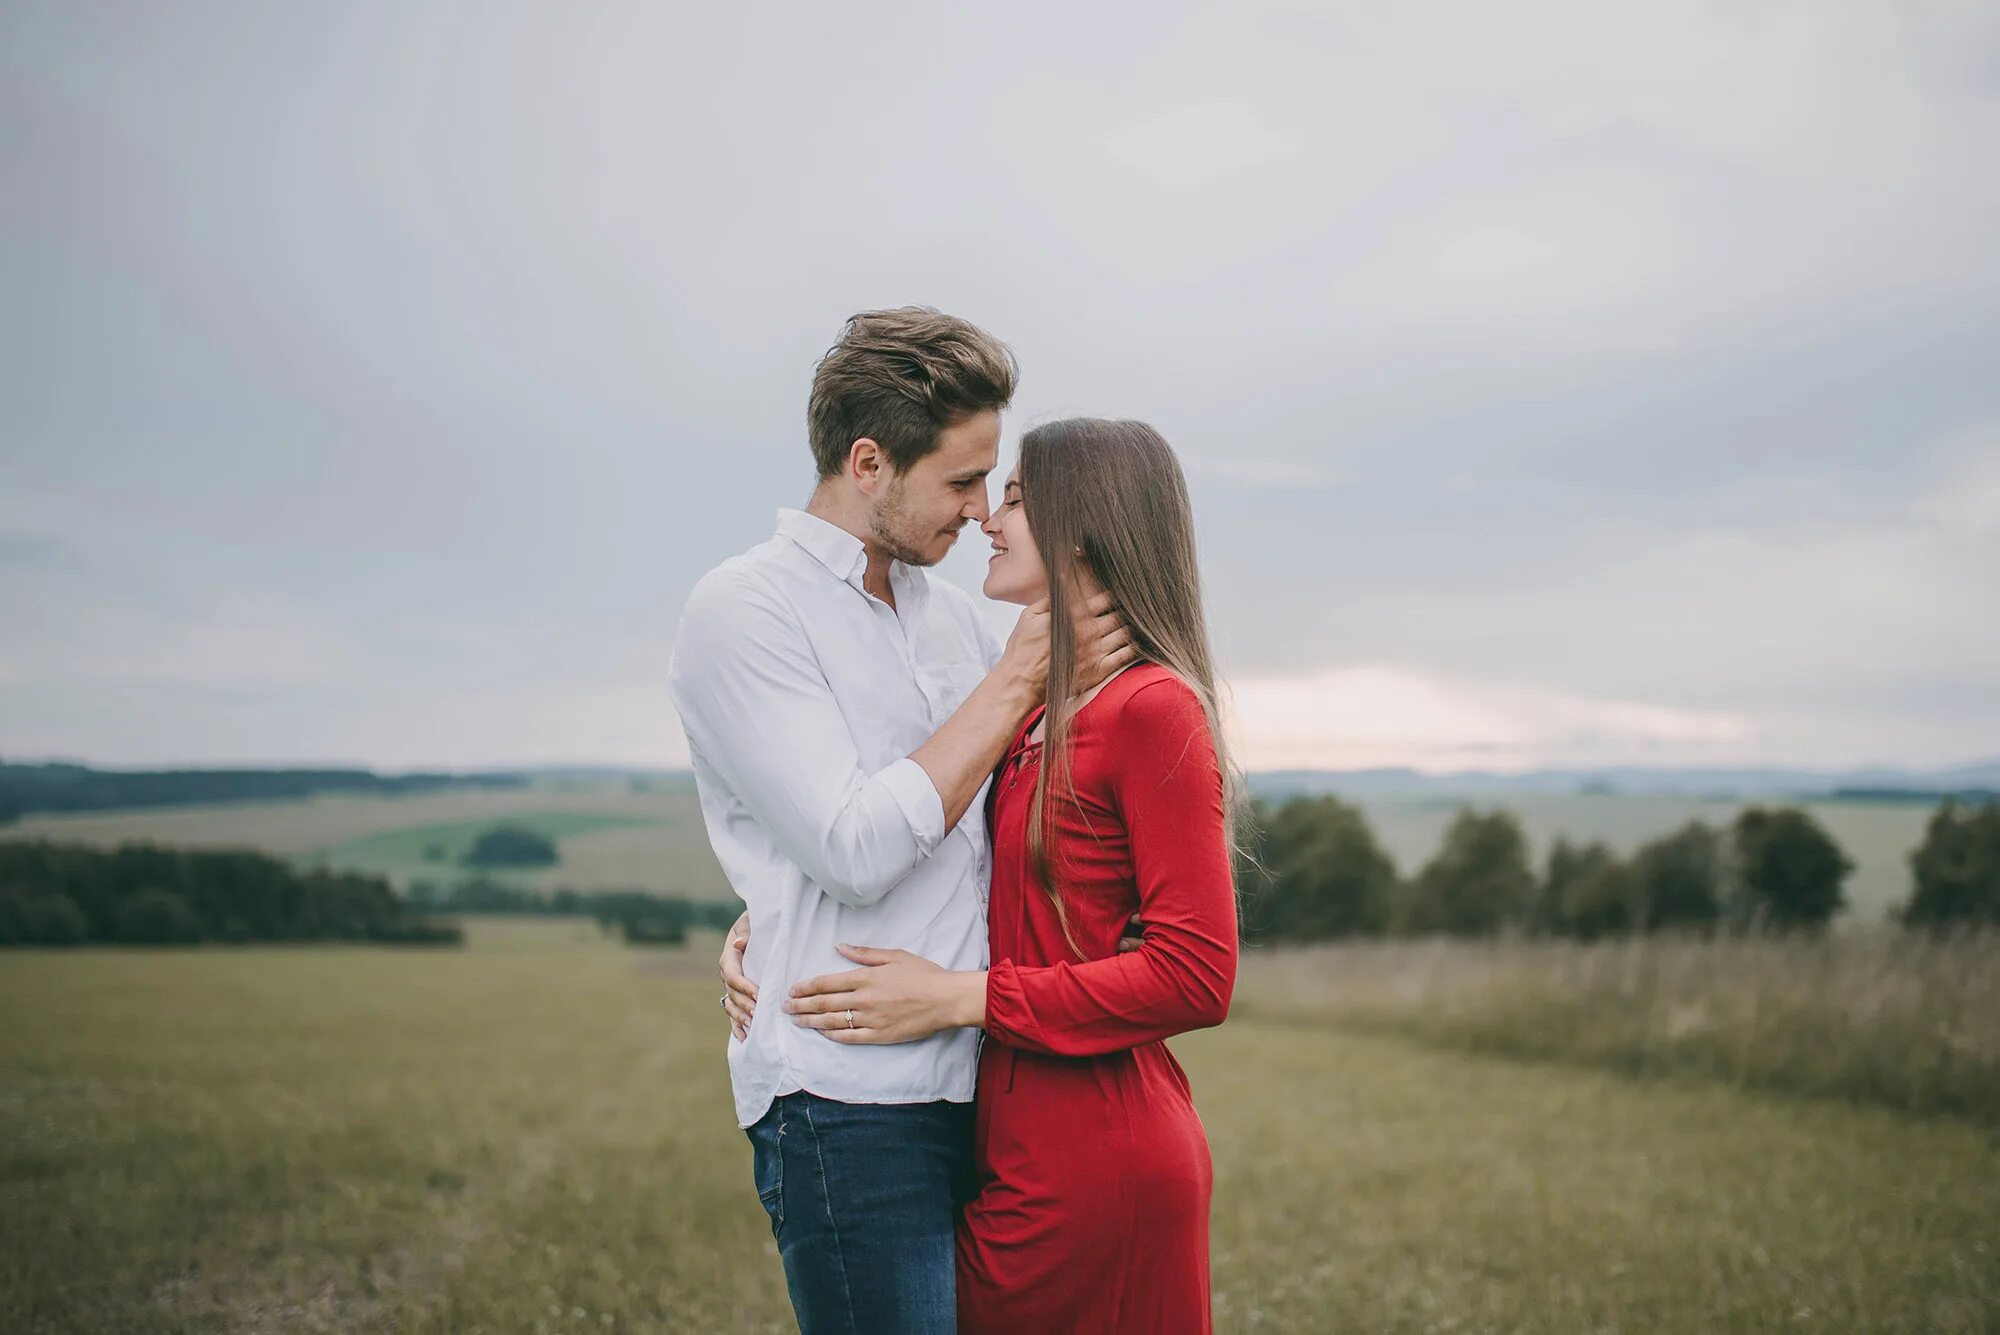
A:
(394, 372)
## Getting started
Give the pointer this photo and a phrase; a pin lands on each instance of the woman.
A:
(1094, 1176)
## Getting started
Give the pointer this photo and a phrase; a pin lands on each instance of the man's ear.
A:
(867, 465)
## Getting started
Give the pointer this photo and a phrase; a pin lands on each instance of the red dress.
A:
(1093, 1169)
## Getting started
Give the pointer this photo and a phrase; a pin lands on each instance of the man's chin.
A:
(928, 556)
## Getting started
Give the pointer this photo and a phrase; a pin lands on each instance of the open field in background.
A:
(407, 854)
(1903, 1020)
(609, 836)
(658, 843)
(534, 1133)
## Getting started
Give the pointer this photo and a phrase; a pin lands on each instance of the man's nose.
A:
(979, 510)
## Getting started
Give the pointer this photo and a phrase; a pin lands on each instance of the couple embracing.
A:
(943, 844)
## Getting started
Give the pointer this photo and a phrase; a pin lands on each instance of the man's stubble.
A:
(889, 525)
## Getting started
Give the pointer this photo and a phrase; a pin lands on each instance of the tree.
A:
(1587, 893)
(55, 920)
(1478, 881)
(16, 928)
(512, 846)
(1322, 873)
(1677, 879)
(1957, 869)
(1787, 870)
(155, 918)
(653, 932)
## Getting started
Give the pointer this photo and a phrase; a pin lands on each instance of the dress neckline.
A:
(1028, 742)
(1023, 744)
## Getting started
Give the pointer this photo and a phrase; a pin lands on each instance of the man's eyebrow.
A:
(973, 476)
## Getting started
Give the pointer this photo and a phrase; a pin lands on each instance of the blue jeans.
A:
(863, 1199)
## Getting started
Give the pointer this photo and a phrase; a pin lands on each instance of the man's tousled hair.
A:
(898, 377)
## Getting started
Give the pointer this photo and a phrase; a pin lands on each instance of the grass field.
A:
(653, 840)
(1900, 1019)
(534, 1134)
(437, 851)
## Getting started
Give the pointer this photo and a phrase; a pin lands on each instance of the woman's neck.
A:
(1077, 702)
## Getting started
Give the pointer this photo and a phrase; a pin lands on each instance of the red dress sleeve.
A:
(1169, 788)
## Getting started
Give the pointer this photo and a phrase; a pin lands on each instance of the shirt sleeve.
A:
(758, 711)
(1168, 786)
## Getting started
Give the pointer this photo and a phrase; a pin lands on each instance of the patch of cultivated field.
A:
(294, 827)
(535, 1133)
(438, 851)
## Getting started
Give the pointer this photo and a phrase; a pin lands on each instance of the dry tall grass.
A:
(1885, 1017)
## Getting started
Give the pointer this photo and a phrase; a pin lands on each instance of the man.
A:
(843, 713)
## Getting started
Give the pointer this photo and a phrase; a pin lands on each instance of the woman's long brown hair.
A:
(1113, 491)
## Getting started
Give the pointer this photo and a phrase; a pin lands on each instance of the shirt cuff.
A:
(914, 792)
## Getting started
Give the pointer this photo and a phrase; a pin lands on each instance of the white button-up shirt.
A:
(803, 695)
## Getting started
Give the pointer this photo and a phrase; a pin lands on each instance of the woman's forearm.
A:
(964, 999)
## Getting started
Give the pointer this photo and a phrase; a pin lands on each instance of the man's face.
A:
(917, 514)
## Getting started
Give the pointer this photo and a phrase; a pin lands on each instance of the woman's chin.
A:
(997, 590)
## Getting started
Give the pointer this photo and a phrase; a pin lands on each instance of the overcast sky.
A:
(1558, 383)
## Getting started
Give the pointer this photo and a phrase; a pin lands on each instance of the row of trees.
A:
(1316, 872)
(640, 917)
(69, 894)
(58, 787)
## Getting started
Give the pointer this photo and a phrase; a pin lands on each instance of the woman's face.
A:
(1015, 574)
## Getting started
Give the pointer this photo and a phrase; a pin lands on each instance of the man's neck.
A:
(875, 577)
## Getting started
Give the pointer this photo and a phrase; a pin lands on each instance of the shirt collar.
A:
(829, 544)
(844, 555)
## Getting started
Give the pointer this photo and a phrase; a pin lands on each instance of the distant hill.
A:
(58, 787)
(62, 787)
(1973, 781)
(1877, 783)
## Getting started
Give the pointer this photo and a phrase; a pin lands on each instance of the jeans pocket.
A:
(767, 1162)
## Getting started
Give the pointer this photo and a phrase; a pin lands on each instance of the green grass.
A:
(535, 1133)
(1366, 1184)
